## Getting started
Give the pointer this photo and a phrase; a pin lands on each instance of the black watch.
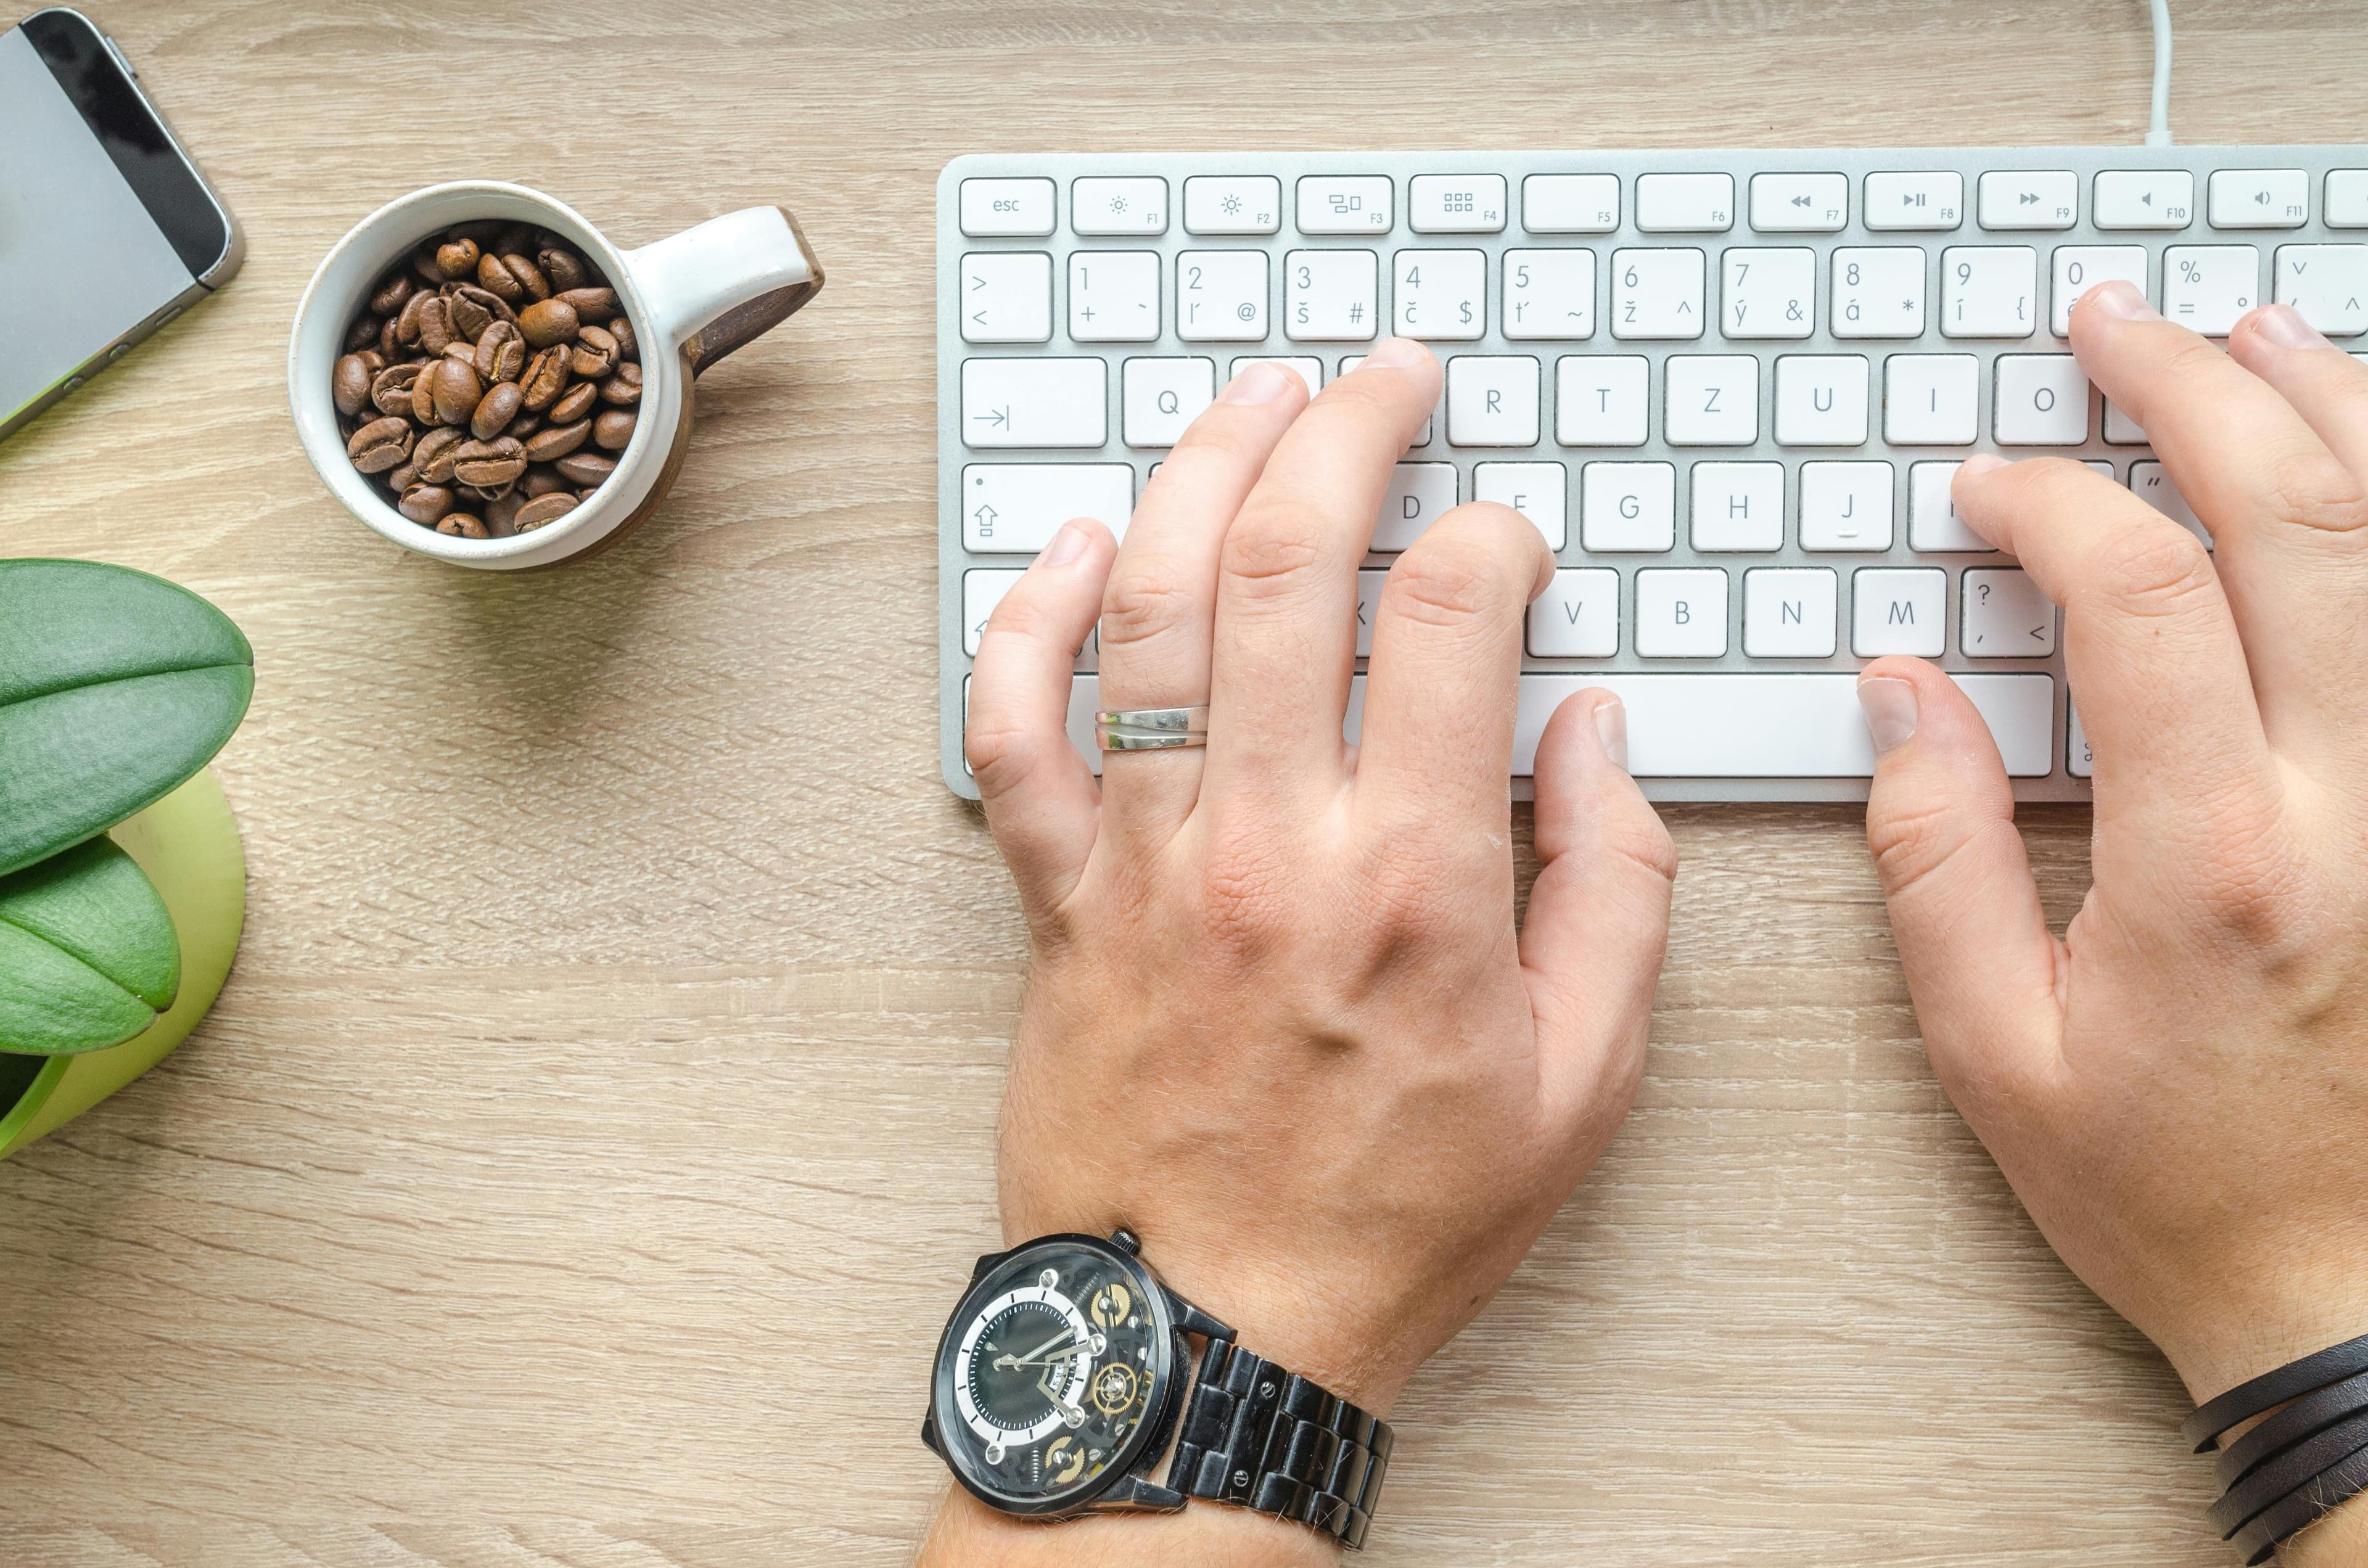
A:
(1066, 1370)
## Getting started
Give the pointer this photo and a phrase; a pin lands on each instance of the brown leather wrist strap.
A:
(2247, 1400)
(2306, 1418)
(2283, 1472)
(2316, 1498)
(2307, 1458)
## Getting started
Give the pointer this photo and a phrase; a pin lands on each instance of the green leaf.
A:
(115, 686)
(87, 953)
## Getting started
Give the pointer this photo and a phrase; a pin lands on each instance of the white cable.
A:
(2158, 133)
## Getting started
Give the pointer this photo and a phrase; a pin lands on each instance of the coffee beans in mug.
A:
(487, 380)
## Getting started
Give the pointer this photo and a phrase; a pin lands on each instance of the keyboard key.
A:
(1126, 205)
(1768, 293)
(1345, 204)
(2143, 199)
(1932, 520)
(982, 591)
(1035, 403)
(1714, 401)
(1821, 399)
(1549, 294)
(1420, 495)
(1114, 296)
(2043, 401)
(1915, 201)
(1737, 506)
(1657, 293)
(1537, 491)
(1492, 400)
(1577, 617)
(1007, 298)
(1163, 396)
(2346, 200)
(2030, 198)
(2150, 483)
(1799, 204)
(1788, 613)
(1570, 204)
(1879, 291)
(1986, 290)
(1599, 401)
(999, 207)
(1627, 507)
(1232, 204)
(1681, 614)
(1016, 508)
(2328, 284)
(1220, 296)
(1932, 399)
(1441, 295)
(1685, 204)
(2208, 287)
(2079, 268)
(2121, 429)
(1369, 604)
(1845, 505)
(1309, 369)
(1898, 611)
(2260, 199)
(1331, 295)
(2005, 615)
(1455, 204)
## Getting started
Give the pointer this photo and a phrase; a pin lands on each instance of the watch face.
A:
(1052, 1374)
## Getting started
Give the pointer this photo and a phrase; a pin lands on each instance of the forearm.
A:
(2339, 1540)
(967, 1534)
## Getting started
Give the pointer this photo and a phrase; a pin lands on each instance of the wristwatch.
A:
(1066, 1377)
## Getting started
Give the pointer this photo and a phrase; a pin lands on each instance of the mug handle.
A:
(726, 283)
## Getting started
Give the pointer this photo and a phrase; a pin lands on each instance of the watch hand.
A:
(1066, 1352)
(1030, 1359)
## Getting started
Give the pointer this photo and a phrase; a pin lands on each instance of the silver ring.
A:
(1151, 729)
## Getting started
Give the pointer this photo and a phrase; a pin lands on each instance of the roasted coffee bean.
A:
(362, 334)
(400, 480)
(613, 430)
(556, 441)
(585, 468)
(574, 405)
(388, 343)
(424, 265)
(406, 322)
(494, 276)
(542, 480)
(495, 411)
(524, 425)
(547, 322)
(394, 290)
(501, 516)
(596, 353)
(543, 510)
(470, 319)
(545, 377)
(426, 503)
(423, 395)
(349, 384)
(456, 392)
(467, 525)
(620, 327)
(562, 266)
(436, 453)
(466, 353)
(590, 304)
(380, 445)
(490, 465)
(435, 323)
(500, 353)
(484, 495)
(623, 389)
(391, 388)
(457, 259)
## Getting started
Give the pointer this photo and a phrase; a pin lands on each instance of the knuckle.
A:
(1246, 911)
(2250, 883)
(1914, 844)
(2311, 489)
(1000, 756)
(1265, 557)
(1144, 605)
(1446, 580)
(1644, 839)
(2156, 570)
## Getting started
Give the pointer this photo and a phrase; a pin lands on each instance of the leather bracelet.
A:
(2248, 1399)
(2306, 1505)
(2306, 1417)
(2286, 1472)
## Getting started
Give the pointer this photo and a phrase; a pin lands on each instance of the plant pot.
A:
(188, 843)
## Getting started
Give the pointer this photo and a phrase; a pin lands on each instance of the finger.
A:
(2289, 521)
(1040, 796)
(1443, 680)
(2149, 644)
(1286, 625)
(1965, 911)
(1598, 917)
(1158, 610)
(2324, 385)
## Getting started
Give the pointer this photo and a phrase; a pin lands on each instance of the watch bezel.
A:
(1158, 1422)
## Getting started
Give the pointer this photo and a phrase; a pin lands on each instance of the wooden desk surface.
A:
(623, 1005)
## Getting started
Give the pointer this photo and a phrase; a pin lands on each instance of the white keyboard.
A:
(1730, 388)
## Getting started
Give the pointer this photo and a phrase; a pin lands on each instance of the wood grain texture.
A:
(622, 1017)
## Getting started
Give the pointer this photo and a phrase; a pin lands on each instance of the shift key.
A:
(1016, 508)
(1035, 403)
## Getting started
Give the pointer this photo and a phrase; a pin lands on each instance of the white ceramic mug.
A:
(692, 298)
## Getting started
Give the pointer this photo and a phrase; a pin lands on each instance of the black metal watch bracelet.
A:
(1271, 1441)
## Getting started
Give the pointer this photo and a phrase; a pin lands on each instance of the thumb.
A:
(1964, 911)
(1599, 919)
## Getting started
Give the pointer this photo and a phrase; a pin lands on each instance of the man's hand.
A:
(1280, 1021)
(2179, 1090)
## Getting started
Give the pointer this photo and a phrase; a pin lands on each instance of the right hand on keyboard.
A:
(2179, 1090)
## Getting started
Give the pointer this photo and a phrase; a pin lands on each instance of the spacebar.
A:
(1776, 726)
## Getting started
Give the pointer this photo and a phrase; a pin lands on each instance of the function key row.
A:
(1675, 203)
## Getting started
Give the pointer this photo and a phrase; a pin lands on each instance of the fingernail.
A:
(2283, 325)
(1396, 353)
(1980, 463)
(1612, 729)
(1256, 384)
(2120, 299)
(1889, 704)
(1066, 546)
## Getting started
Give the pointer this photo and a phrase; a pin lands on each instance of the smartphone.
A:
(107, 229)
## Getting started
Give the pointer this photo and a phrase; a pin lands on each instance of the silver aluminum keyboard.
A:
(1730, 387)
